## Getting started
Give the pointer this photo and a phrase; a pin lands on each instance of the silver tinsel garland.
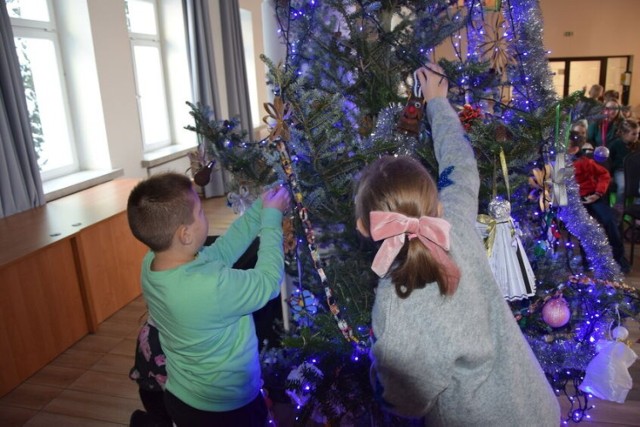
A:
(591, 235)
(385, 131)
(531, 77)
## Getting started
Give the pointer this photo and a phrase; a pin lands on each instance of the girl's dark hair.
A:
(611, 95)
(403, 185)
(626, 126)
(159, 205)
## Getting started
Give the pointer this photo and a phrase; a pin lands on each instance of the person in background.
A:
(620, 147)
(150, 372)
(595, 92)
(603, 131)
(202, 306)
(580, 127)
(611, 95)
(593, 182)
(627, 112)
(437, 286)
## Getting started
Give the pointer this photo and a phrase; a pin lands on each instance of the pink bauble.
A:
(556, 312)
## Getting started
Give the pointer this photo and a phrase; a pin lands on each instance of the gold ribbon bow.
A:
(541, 183)
(490, 222)
(279, 112)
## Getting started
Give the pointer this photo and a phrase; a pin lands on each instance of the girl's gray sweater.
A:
(459, 360)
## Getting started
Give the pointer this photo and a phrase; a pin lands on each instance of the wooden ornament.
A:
(203, 176)
(409, 122)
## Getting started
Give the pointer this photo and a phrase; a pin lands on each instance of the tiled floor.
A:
(88, 384)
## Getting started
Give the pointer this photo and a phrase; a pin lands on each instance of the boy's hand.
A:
(590, 199)
(277, 198)
(433, 82)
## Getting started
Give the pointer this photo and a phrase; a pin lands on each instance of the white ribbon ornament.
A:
(558, 177)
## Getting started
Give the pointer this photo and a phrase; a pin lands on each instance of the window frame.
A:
(47, 30)
(152, 40)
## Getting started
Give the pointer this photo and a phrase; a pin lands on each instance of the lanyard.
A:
(603, 132)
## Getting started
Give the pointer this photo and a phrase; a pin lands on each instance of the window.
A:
(38, 49)
(144, 32)
(250, 63)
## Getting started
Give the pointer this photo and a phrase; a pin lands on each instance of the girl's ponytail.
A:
(397, 204)
(415, 267)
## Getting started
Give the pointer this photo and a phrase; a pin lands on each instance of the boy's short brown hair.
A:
(157, 206)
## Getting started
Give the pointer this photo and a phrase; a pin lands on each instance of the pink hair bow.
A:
(392, 227)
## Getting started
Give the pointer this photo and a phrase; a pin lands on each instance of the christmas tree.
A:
(345, 95)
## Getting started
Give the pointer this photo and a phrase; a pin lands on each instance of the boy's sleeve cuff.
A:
(271, 217)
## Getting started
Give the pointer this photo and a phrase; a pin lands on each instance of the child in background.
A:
(611, 95)
(446, 344)
(203, 307)
(593, 181)
(595, 92)
(150, 373)
(580, 127)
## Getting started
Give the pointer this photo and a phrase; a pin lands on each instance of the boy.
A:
(593, 182)
(201, 305)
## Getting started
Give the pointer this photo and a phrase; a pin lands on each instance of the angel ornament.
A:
(607, 375)
(507, 257)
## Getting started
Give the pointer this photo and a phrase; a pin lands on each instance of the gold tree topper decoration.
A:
(279, 112)
(495, 48)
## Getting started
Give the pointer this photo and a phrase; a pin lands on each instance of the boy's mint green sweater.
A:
(203, 311)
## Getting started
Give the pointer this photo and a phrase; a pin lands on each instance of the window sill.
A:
(166, 154)
(69, 184)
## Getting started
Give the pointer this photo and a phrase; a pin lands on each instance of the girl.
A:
(446, 345)
(618, 150)
(603, 131)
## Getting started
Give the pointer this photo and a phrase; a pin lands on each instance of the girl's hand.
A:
(433, 82)
(277, 198)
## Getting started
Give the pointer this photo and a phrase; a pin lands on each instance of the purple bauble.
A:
(556, 312)
(601, 154)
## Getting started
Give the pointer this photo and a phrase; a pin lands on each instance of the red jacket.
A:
(591, 177)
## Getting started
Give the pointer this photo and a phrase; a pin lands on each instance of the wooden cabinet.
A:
(41, 311)
(110, 260)
(64, 268)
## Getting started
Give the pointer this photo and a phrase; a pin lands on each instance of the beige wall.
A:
(600, 28)
(255, 8)
(117, 86)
